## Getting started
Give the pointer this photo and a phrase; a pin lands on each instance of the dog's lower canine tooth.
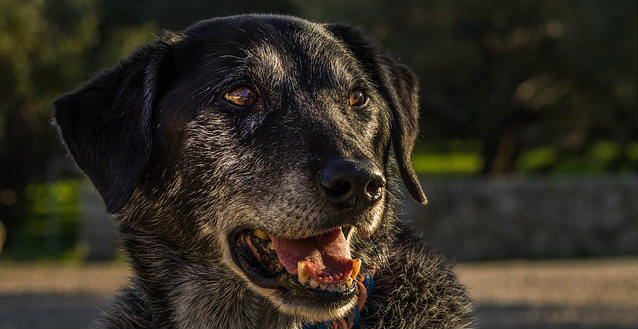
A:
(314, 284)
(349, 281)
(356, 266)
(261, 234)
(302, 276)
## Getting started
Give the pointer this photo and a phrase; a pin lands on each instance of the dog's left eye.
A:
(357, 98)
(240, 96)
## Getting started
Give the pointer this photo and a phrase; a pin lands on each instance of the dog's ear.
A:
(106, 123)
(400, 88)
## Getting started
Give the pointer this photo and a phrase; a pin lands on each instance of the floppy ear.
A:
(405, 126)
(106, 123)
(400, 88)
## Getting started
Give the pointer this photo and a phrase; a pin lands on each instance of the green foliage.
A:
(631, 151)
(43, 52)
(507, 86)
(535, 159)
(51, 226)
(516, 75)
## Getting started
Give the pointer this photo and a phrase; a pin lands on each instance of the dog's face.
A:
(263, 143)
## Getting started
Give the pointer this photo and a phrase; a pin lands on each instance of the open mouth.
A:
(317, 266)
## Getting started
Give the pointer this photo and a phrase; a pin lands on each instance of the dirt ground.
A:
(599, 293)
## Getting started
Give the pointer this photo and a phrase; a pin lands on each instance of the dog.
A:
(250, 161)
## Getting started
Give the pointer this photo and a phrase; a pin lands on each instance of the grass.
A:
(464, 158)
(447, 163)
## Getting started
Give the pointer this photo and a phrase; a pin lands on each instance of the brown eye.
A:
(357, 98)
(240, 96)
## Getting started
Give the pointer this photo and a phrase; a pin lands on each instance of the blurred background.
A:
(528, 149)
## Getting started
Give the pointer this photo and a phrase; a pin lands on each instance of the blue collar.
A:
(365, 284)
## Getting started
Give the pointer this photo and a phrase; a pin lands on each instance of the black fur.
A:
(184, 169)
(106, 124)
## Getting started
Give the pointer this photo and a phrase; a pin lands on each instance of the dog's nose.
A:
(347, 181)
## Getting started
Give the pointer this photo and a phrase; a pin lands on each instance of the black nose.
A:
(347, 181)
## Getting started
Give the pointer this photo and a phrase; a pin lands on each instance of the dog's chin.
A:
(307, 308)
(298, 293)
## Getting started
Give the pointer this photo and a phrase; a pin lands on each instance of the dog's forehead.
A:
(275, 50)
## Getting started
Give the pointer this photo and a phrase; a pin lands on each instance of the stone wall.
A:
(535, 217)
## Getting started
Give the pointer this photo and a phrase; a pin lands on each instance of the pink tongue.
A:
(327, 256)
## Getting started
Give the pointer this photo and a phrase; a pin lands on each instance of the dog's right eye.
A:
(357, 98)
(240, 96)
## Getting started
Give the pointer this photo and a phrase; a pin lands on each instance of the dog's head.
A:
(263, 142)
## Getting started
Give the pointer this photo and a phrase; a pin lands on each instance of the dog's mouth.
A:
(316, 266)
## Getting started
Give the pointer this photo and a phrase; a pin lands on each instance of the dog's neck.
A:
(225, 303)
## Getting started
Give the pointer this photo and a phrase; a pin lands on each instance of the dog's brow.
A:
(266, 61)
(342, 71)
(341, 64)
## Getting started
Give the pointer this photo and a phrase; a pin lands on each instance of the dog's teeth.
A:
(323, 286)
(349, 281)
(261, 234)
(356, 266)
(302, 276)
(313, 284)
